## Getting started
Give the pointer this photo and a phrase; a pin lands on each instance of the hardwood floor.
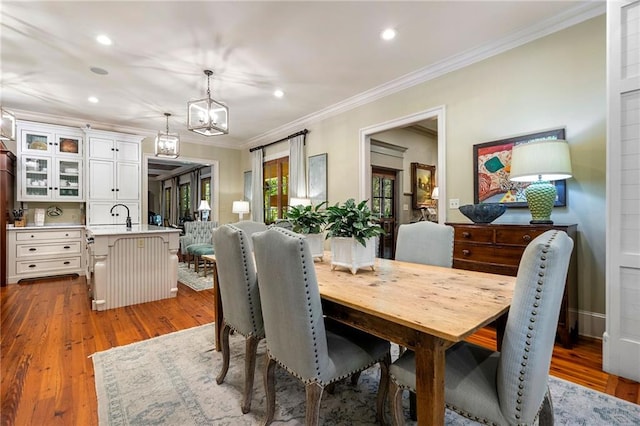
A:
(48, 332)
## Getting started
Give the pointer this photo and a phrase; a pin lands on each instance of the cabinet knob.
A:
(466, 252)
(32, 249)
(67, 247)
(50, 188)
(67, 262)
(112, 189)
(56, 188)
(526, 237)
(466, 234)
(32, 266)
(113, 149)
(32, 236)
(117, 189)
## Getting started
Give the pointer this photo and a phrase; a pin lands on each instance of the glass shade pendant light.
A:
(7, 125)
(167, 144)
(207, 116)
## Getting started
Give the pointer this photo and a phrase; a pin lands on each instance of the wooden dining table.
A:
(424, 308)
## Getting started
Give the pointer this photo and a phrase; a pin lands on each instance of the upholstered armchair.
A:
(196, 233)
(507, 387)
(250, 227)
(298, 339)
(425, 242)
(240, 300)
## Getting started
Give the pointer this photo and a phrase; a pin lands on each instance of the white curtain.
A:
(175, 193)
(195, 191)
(297, 169)
(257, 199)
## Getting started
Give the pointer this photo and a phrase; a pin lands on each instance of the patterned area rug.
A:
(197, 281)
(170, 380)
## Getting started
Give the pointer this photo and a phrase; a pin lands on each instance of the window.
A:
(382, 190)
(167, 203)
(276, 187)
(205, 189)
(184, 198)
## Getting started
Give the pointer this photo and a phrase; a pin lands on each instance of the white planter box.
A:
(316, 244)
(348, 252)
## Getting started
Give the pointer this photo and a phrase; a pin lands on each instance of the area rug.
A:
(196, 281)
(170, 380)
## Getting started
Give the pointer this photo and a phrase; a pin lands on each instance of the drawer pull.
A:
(526, 237)
(32, 236)
(32, 249)
(67, 263)
(466, 252)
(32, 266)
(67, 247)
(466, 234)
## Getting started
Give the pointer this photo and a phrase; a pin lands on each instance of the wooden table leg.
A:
(217, 305)
(430, 362)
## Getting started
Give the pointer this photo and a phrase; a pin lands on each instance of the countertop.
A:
(43, 228)
(122, 230)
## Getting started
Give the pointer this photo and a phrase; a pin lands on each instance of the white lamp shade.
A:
(7, 125)
(204, 205)
(540, 160)
(435, 193)
(299, 201)
(240, 207)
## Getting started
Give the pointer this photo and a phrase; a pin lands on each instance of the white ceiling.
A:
(323, 55)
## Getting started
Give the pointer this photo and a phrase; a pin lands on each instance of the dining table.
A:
(421, 307)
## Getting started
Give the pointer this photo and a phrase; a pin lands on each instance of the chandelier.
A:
(167, 144)
(207, 116)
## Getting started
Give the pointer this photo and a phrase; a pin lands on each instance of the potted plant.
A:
(353, 233)
(309, 221)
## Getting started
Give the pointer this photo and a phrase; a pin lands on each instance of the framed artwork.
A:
(247, 186)
(491, 166)
(422, 183)
(317, 183)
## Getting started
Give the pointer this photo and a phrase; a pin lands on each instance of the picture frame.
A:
(317, 179)
(422, 184)
(491, 165)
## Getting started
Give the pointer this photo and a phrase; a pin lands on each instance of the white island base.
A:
(132, 266)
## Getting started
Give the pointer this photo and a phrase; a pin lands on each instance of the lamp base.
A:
(541, 222)
(541, 195)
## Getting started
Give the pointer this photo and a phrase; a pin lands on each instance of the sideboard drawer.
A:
(503, 255)
(473, 234)
(520, 237)
(50, 266)
(61, 248)
(48, 235)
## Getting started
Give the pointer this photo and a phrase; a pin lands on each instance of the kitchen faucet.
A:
(128, 214)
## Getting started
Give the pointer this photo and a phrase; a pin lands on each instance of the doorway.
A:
(383, 199)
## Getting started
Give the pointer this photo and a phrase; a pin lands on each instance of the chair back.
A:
(200, 232)
(238, 281)
(293, 321)
(531, 326)
(250, 227)
(425, 242)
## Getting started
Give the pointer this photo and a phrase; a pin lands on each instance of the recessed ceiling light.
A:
(278, 93)
(104, 39)
(99, 71)
(388, 34)
(93, 99)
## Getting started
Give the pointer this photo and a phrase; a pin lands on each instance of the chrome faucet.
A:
(128, 213)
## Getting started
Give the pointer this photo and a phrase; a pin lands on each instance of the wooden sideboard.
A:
(7, 185)
(497, 248)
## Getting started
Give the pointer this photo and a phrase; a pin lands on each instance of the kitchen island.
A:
(130, 266)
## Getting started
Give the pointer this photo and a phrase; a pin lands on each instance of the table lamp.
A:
(204, 210)
(540, 162)
(240, 207)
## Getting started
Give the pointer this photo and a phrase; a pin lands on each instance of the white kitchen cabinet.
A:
(44, 251)
(50, 139)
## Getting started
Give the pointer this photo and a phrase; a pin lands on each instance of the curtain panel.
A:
(297, 169)
(257, 198)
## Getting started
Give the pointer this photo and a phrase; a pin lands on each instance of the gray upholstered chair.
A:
(250, 227)
(424, 242)
(240, 301)
(318, 353)
(196, 233)
(507, 387)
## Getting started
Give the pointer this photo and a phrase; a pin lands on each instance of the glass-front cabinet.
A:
(51, 140)
(48, 178)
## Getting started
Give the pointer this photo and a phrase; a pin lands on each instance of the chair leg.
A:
(355, 377)
(225, 354)
(397, 414)
(314, 395)
(269, 389)
(546, 411)
(383, 388)
(413, 412)
(251, 345)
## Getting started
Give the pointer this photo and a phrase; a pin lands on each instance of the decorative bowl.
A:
(483, 213)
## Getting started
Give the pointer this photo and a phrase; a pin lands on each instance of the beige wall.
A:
(556, 81)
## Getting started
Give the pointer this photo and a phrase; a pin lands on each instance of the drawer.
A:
(49, 235)
(498, 255)
(517, 236)
(491, 268)
(44, 249)
(473, 234)
(52, 266)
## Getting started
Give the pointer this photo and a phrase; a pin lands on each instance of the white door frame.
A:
(364, 152)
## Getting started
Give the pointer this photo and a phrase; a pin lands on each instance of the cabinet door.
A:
(127, 151)
(35, 178)
(101, 180)
(69, 179)
(128, 181)
(101, 148)
(68, 144)
(36, 142)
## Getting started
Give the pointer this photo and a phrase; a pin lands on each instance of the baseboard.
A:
(591, 324)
